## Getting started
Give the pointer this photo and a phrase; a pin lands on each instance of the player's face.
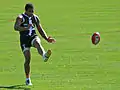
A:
(30, 11)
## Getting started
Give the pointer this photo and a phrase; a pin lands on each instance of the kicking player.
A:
(25, 24)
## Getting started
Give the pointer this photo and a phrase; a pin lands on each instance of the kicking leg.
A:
(36, 43)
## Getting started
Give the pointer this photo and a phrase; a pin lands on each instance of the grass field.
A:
(75, 64)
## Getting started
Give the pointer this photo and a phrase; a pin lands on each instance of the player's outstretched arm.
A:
(17, 24)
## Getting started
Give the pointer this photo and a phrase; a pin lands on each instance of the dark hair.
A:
(29, 5)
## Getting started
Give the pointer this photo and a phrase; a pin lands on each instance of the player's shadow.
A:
(22, 87)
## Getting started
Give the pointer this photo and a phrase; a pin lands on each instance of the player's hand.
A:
(51, 40)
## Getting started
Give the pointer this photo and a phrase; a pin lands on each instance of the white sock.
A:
(27, 78)
(42, 50)
(44, 53)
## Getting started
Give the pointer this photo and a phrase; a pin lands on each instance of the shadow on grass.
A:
(22, 87)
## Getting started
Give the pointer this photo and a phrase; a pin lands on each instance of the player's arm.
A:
(17, 25)
(43, 33)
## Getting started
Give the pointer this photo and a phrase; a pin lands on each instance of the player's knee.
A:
(27, 55)
(36, 44)
(27, 59)
(27, 62)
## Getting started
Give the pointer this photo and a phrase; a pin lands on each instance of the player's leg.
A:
(27, 56)
(37, 44)
(27, 63)
(26, 51)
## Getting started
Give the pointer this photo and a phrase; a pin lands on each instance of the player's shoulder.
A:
(20, 16)
(36, 16)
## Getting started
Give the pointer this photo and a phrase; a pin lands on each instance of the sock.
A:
(43, 51)
(27, 78)
(44, 54)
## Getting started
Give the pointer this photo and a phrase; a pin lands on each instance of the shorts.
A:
(26, 41)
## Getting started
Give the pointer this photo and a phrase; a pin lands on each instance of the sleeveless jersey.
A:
(26, 21)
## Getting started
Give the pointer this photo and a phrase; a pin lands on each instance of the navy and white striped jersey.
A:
(26, 20)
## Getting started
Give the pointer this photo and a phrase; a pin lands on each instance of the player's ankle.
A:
(27, 78)
(43, 54)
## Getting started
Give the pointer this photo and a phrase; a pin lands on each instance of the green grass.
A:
(75, 64)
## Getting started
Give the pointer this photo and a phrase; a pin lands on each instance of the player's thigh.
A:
(36, 42)
(25, 46)
(26, 51)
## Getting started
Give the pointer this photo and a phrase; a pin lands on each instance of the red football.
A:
(95, 38)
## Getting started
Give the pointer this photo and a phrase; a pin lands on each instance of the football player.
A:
(25, 24)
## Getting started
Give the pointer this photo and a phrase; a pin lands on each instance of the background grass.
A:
(75, 63)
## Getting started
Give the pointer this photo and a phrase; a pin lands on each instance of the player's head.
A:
(29, 9)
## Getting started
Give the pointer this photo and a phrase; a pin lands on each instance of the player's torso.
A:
(25, 23)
